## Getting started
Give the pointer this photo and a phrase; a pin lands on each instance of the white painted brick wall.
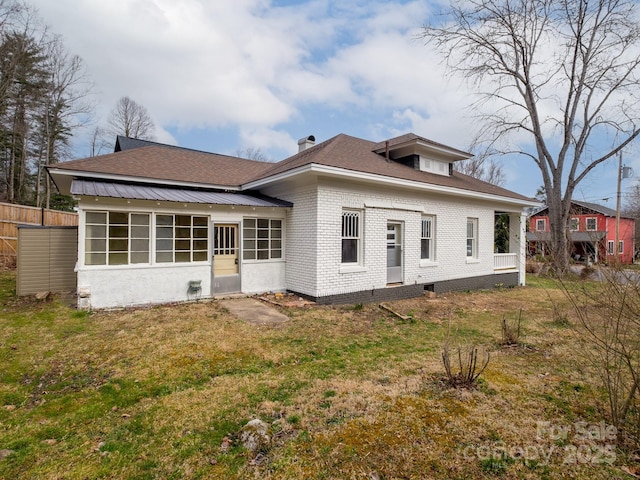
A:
(301, 241)
(450, 238)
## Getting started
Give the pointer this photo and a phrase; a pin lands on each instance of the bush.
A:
(465, 368)
(511, 330)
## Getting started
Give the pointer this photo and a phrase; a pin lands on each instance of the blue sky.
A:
(222, 75)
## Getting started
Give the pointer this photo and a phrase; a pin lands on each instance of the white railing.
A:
(505, 261)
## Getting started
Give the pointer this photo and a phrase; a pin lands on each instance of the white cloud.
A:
(199, 64)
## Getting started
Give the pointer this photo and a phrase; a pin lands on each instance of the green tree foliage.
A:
(42, 92)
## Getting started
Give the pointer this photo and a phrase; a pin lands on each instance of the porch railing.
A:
(505, 261)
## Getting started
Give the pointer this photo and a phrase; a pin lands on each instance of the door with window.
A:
(226, 263)
(394, 252)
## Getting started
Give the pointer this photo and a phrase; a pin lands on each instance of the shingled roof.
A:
(159, 162)
(151, 162)
(357, 155)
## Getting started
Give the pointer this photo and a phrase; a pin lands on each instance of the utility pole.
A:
(615, 246)
(623, 172)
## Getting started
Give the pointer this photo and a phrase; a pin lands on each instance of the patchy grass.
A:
(350, 392)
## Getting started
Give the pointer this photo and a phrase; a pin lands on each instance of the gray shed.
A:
(47, 258)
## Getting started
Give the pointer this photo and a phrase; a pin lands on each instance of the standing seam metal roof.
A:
(146, 192)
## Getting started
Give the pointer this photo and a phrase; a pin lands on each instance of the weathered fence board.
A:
(13, 215)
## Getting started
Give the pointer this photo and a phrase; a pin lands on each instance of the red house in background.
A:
(592, 232)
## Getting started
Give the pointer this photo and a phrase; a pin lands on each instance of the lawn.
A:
(348, 391)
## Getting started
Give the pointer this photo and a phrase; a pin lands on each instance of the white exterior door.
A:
(226, 263)
(394, 253)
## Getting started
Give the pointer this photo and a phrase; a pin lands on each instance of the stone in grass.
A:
(255, 436)
(5, 452)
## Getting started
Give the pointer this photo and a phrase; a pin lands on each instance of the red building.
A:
(592, 232)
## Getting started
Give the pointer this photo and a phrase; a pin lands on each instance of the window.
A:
(426, 239)
(116, 238)
(620, 246)
(261, 239)
(592, 224)
(541, 225)
(573, 224)
(472, 238)
(610, 245)
(350, 237)
(181, 238)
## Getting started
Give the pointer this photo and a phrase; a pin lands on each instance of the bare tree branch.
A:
(564, 72)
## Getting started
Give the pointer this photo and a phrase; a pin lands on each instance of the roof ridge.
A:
(297, 156)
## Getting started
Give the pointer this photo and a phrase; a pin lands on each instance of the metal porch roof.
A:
(159, 193)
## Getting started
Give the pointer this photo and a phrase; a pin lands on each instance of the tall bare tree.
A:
(483, 165)
(65, 106)
(563, 74)
(130, 119)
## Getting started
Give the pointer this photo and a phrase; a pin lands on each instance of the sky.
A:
(227, 75)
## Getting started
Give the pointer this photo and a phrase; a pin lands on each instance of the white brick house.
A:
(346, 220)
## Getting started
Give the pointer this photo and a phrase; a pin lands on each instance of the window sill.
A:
(352, 269)
(428, 264)
(258, 262)
(473, 260)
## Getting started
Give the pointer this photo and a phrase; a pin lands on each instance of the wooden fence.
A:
(13, 215)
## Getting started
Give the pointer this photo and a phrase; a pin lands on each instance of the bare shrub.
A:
(608, 326)
(511, 330)
(469, 361)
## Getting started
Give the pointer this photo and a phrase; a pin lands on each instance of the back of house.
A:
(346, 220)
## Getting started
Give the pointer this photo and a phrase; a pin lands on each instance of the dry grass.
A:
(350, 393)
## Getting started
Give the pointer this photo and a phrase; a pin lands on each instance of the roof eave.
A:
(383, 179)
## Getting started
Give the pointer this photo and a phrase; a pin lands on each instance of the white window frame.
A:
(621, 246)
(543, 222)
(123, 243)
(351, 231)
(472, 238)
(428, 235)
(262, 239)
(610, 247)
(595, 224)
(172, 238)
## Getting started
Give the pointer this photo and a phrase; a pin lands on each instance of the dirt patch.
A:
(288, 300)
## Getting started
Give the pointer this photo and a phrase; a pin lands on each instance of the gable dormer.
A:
(421, 154)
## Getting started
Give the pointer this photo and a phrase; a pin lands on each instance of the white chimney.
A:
(306, 142)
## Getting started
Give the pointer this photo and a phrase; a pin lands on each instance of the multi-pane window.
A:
(116, 238)
(472, 237)
(426, 239)
(351, 236)
(541, 225)
(181, 238)
(610, 247)
(573, 224)
(261, 239)
(591, 223)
